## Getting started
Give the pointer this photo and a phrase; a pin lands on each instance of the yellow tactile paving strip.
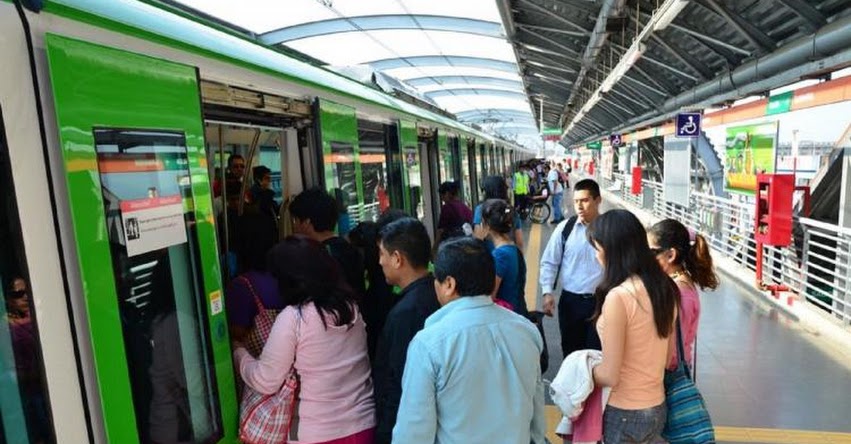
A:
(533, 257)
(779, 436)
(737, 434)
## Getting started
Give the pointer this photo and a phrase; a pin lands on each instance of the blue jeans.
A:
(557, 216)
(634, 426)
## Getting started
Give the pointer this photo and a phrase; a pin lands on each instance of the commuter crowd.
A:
(381, 337)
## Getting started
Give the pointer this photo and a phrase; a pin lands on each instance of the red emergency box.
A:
(636, 180)
(774, 209)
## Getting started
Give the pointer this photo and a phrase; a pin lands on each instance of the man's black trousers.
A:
(577, 331)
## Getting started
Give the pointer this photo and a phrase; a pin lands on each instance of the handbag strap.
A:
(264, 326)
(681, 349)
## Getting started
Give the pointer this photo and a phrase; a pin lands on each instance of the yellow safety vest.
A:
(521, 183)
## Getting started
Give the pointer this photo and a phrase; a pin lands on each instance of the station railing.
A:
(816, 266)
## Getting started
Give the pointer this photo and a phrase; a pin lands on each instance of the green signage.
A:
(595, 145)
(552, 132)
(750, 150)
(781, 103)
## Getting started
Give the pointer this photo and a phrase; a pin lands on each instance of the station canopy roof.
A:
(603, 66)
(453, 53)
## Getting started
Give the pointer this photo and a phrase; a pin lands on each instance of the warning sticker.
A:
(216, 305)
(153, 223)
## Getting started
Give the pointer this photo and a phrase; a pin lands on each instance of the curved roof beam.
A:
(515, 128)
(496, 114)
(492, 111)
(383, 22)
(436, 60)
(478, 80)
(476, 91)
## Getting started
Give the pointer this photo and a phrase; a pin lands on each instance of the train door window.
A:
(373, 159)
(443, 160)
(413, 167)
(450, 163)
(341, 178)
(494, 160)
(395, 181)
(430, 176)
(506, 160)
(470, 164)
(24, 408)
(483, 168)
(460, 148)
(149, 208)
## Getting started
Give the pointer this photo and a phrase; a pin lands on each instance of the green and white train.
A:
(116, 117)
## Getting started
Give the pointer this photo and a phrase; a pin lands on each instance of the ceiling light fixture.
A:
(661, 18)
(670, 12)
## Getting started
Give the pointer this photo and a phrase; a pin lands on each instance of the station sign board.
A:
(616, 140)
(688, 124)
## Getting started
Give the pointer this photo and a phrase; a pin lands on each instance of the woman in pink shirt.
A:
(690, 266)
(636, 307)
(322, 334)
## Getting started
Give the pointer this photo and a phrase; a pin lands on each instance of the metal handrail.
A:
(816, 265)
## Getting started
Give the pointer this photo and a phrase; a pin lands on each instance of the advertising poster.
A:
(152, 224)
(750, 150)
(623, 152)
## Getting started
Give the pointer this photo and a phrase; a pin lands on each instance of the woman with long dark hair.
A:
(690, 266)
(322, 335)
(636, 306)
(497, 225)
(494, 187)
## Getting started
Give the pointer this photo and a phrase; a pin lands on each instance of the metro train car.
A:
(116, 119)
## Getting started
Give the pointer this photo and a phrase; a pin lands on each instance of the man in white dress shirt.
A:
(574, 261)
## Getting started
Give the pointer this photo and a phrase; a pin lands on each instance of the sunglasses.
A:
(17, 293)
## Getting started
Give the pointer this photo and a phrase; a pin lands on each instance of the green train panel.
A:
(338, 131)
(411, 169)
(132, 141)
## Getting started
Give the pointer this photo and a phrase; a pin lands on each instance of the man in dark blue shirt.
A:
(314, 214)
(404, 254)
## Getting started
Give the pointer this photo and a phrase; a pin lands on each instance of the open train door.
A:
(337, 130)
(132, 140)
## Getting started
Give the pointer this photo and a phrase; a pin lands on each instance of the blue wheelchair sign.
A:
(688, 124)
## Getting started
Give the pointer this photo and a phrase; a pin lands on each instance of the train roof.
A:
(159, 23)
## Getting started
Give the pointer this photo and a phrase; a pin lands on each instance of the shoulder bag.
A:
(268, 419)
(688, 418)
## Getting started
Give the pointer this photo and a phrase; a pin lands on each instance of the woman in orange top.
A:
(636, 305)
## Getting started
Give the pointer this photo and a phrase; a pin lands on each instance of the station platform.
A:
(766, 378)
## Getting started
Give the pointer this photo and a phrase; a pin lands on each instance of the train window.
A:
(343, 185)
(24, 410)
(411, 159)
(373, 160)
(149, 208)
(465, 171)
(447, 160)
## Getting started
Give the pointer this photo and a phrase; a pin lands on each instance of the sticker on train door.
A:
(216, 305)
(153, 223)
